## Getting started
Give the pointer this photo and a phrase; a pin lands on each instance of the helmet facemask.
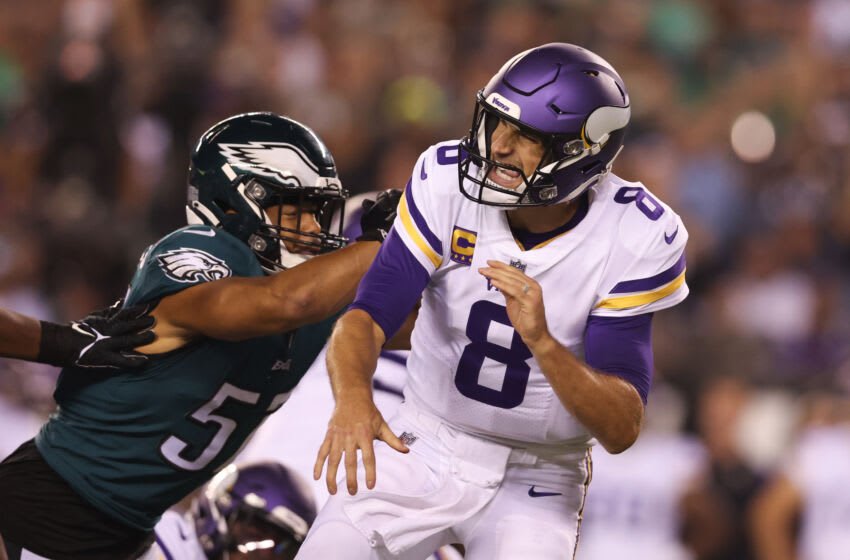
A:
(538, 189)
(324, 202)
(250, 196)
(252, 530)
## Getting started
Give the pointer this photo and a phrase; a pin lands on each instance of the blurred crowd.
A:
(741, 122)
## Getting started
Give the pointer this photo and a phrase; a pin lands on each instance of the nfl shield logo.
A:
(518, 264)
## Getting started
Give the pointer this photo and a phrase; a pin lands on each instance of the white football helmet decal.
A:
(192, 265)
(276, 160)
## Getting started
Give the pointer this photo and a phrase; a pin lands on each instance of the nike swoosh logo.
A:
(204, 232)
(422, 174)
(535, 494)
(669, 238)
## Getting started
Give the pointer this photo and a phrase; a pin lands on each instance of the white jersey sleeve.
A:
(422, 212)
(646, 270)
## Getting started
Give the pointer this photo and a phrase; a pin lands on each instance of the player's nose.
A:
(504, 142)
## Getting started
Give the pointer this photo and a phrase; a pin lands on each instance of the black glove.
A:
(378, 215)
(103, 339)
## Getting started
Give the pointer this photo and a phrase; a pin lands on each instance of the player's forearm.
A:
(323, 285)
(239, 308)
(607, 406)
(353, 355)
(19, 336)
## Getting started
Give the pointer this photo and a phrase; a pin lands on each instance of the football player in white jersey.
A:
(504, 396)
(804, 513)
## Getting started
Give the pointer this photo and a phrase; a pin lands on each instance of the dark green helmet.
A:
(251, 162)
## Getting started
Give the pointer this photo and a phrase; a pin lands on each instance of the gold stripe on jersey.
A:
(625, 302)
(542, 243)
(414, 234)
(548, 241)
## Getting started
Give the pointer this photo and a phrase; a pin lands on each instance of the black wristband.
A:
(57, 346)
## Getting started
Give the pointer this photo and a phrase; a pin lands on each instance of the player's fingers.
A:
(324, 449)
(351, 464)
(501, 274)
(500, 268)
(509, 288)
(130, 360)
(330, 473)
(513, 285)
(132, 312)
(118, 327)
(367, 452)
(499, 265)
(386, 435)
(334, 457)
(128, 341)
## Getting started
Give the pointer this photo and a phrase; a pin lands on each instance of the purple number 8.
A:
(650, 207)
(481, 314)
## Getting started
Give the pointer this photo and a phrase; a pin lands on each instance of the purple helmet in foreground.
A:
(259, 507)
(566, 96)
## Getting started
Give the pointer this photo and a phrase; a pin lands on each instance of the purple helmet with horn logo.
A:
(254, 507)
(569, 99)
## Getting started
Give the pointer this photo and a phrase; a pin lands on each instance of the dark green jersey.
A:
(134, 443)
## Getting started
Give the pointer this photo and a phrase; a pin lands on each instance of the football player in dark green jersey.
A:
(231, 295)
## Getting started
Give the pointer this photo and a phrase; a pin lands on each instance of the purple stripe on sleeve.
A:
(420, 222)
(645, 284)
(164, 549)
(391, 286)
(622, 346)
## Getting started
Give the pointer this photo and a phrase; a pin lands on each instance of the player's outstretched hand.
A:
(378, 215)
(354, 425)
(523, 299)
(104, 339)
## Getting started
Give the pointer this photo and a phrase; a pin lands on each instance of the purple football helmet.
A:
(570, 99)
(262, 508)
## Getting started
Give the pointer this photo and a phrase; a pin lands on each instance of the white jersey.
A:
(820, 470)
(468, 365)
(631, 511)
(175, 539)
